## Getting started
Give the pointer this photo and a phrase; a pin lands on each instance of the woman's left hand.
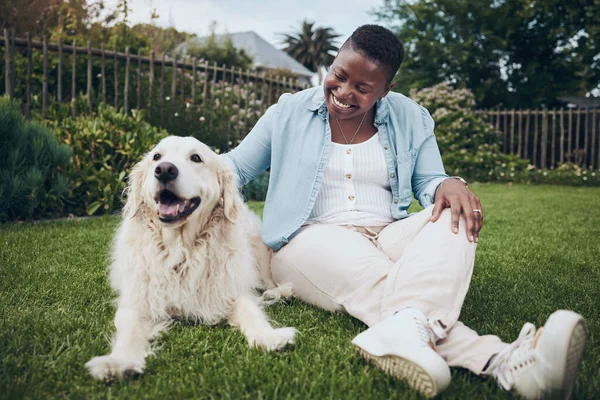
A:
(454, 194)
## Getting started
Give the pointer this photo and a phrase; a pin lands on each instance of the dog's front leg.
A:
(252, 321)
(131, 345)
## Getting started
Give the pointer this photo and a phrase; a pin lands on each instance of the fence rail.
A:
(100, 85)
(550, 137)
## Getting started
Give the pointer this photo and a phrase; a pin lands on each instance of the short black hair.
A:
(379, 45)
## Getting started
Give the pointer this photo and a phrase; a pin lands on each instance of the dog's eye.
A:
(196, 158)
(156, 157)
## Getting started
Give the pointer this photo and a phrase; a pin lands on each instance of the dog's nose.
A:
(166, 172)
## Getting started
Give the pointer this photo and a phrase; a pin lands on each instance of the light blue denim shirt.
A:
(293, 138)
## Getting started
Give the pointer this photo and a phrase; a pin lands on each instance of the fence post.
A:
(577, 134)
(194, 62)
(205, 88)
(89, 76)
(73, 75)
(59, 78)
(214, 79)
(593, 133)
(103, 73)
(7, 65)
(553, 155)
(139, 81)
(535, 137)
(162, 89)
(150, 82)
(586, 153)
(116, 79)
(174, 80)
(45, 77)
(526, 144)
(562, 136)
(544, 149)
(520, 139)
(29, 71)
(126, 89)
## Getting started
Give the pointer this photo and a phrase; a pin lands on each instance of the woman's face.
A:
(354, 84)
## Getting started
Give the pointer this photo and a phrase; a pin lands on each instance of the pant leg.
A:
(336, 269)
(412, 240)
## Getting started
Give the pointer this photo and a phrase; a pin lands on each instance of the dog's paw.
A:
(283, 291)
(277, 339)
(109, 368)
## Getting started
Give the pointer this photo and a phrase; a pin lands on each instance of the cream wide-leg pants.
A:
(373, 272)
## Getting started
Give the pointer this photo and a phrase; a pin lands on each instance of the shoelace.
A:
(515, 356)
(426, 334)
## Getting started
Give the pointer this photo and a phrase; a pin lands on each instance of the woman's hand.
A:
(454, 194)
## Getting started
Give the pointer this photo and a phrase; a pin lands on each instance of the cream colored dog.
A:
(187, 247)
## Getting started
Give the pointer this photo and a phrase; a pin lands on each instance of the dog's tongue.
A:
(168, 210)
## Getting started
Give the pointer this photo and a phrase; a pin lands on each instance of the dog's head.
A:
(181, 178)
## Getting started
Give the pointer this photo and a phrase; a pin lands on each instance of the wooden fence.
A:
(190, 80)
(550, 137)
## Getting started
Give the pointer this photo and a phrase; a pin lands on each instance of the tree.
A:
(511, 53)
(221, 52)
(312, 47)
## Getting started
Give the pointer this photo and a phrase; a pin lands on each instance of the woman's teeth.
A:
(338, 103)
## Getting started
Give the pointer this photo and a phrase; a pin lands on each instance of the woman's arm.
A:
(253, 154)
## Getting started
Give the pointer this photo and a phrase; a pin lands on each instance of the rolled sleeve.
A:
(429, 170)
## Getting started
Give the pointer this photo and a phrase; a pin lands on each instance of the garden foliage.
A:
(105, 148)
(470, 146)
(32, 163)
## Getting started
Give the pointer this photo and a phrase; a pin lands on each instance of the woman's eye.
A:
(156, 157)
(196, 158)
(361, 90)
(339, 77)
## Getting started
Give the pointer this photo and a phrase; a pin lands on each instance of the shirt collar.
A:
(319, 105)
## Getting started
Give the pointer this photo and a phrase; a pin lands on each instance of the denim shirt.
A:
(293, 138)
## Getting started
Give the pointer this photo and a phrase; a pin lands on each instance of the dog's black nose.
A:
(166, 172)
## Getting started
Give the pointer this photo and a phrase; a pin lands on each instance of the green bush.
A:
(470, 146)
(105, 147)
(31, 162)
(257, 188)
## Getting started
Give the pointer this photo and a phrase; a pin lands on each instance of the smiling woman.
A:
(336, 218)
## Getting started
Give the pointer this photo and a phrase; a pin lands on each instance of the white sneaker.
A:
(543, 364)
(402, 346)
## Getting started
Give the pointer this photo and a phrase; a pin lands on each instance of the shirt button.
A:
(386, 148)
(351, 197)
(393, 175)
(349, 176)
(395, 201)
(349, 151)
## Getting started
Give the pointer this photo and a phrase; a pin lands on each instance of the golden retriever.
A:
(187, 247)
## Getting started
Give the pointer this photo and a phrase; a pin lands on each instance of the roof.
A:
(264, 53)
(582, 101)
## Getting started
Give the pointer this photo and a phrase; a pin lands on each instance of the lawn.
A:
(538, 252)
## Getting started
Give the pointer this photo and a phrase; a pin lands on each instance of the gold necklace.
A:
(355, 132)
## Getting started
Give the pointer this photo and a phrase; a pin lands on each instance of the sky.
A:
(268, 18)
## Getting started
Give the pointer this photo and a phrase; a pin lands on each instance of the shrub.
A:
(31, 162)
(105, 147)
(257, 188)
(469, 145)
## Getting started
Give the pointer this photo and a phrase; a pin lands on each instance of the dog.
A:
(187, 247)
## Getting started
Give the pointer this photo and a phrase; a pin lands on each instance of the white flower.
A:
(187, 104)
(177, 114)
(202, 119)
(168, 98)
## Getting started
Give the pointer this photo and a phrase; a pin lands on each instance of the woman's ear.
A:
(387, 89)
(133, 191)
(229, 194)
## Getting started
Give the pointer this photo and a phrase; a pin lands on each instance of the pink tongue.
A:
(169, 210)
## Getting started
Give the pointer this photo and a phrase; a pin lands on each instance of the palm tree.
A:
(312, 47)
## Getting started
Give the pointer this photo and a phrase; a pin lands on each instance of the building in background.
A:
(266, 56)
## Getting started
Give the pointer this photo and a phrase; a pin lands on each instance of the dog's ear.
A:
(229, 194)
(133, 191)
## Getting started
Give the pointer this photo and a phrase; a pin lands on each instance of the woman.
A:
(345, 161)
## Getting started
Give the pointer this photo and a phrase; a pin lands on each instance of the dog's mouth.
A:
(172, 208)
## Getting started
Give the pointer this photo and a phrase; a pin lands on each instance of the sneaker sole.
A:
(578, 338)
(577, 343)
(398, 367)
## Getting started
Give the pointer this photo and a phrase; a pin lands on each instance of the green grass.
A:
(538, 252)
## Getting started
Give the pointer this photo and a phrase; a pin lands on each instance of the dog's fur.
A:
(204, 266)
